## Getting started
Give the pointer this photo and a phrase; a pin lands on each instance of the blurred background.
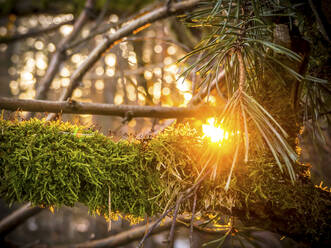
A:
(140, 70)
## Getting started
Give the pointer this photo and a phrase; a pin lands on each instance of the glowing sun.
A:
(214, 132)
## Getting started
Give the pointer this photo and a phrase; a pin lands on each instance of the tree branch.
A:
(108, 26)
(242, 73)
(124, 31)
(131, 28)
(10, 222)
(135, 233)
(32, 33)
(59, 56)
(74, 107)
(123, 237)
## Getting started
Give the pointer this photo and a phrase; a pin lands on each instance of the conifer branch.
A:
(242, 73)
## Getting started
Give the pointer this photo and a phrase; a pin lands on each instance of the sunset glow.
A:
(214, 132)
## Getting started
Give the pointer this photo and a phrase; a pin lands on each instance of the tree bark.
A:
(130, 111)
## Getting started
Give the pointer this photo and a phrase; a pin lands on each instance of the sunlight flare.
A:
(214, 132)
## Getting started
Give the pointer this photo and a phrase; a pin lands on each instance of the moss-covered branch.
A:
(55, 164)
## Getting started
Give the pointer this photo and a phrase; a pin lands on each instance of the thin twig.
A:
(185, 195)
(194, 75)
(33, 32)
(59, 55)
(101, 15)
(156, 223)
(109, 26)
(109, 209)
(109, 40)
(121, 238)
(104, 29)
(173, 225)
(192, 218)
(135, 233)
(126, 73)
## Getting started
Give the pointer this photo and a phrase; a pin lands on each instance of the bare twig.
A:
(133, 27)
(104, 109)
(33, 32)
(108, 26)
(79, 44)
(155, 224)
(59, 55)
(200, 226)
(184, 195)
(104, 29)
(123, 237)
(173, 225)
(135, 233)
(10, 222)
(192, 218)
(194, 76)
(101, 15)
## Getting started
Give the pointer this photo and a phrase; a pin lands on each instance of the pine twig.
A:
(242, 73)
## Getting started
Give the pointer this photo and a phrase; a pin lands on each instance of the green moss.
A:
(56, 163)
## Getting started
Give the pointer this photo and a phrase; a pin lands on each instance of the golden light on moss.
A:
(214, 132)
